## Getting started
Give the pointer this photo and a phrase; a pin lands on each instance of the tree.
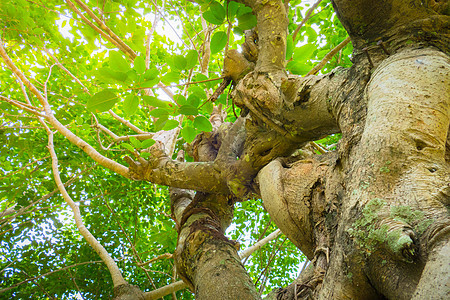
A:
(370, 213)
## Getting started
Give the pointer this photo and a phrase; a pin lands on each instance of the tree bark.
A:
(372, 216)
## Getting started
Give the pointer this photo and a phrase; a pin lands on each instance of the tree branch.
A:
(91, 240)
(109, 35)
(88, 149)
(329, 56)
(49, 273)
(307, 16)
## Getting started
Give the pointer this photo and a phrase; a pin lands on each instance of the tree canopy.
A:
(159, 148)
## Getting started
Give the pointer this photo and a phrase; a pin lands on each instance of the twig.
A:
(66, 71)
(49, 273)
(272, 256)
(329, 56)
(88, 149)
(247, 252)
(24, 167)
(307, 16)
(23, 106)
(162, 256)
(318, 147)
(126, 122)
(111, 35)
(23, 210)
(179, 285)
(165, 290)
(133, 249)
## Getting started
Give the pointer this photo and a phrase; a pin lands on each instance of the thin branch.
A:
(133, 249)
(88, 149)
(49, 273)
(24, 106)
(24, 167)
(170, 25)
(162, 256)
(271, 257)
(307, 16)
(247, 252)
(329, 56)
(126, 123)
(165, 290)
(91, 240)
(103, 26)
(65, 70)
(23, 210)
(117, 42)
(318, 147)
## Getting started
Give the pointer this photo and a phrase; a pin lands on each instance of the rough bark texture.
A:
(373, 215)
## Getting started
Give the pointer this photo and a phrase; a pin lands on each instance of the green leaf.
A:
(191, 59)
(159, 112)
(218, 41)
(202, 123)
(145, 155)
(135, 142)
(147, 143)
(118, 63)
(188, 134)
(247, 21)
(289, 47)
(304, 52)
(215, 14)
(149, 83)
(109, 76)
(298, 68)
(139, 64)
(127, 146)
(193, 100)
(151, 73)
(179, 62)
(232, 8)
(171, 77)
(180, 99)
(130, 105)
(155, 102)
(170, 124)
(102, 101)
(159, 124)
(198, 91)
(188, 110)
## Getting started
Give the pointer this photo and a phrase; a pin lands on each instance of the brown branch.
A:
(23, 210)
(90, 239)
(162, 256)
(126, 123)
(133, 248)
(49, 273)
(117, 41)
(27, 165)
(66, 71)
(31, 109)
(180, 285)
(88, 149)
(305, 19)
(329, 56)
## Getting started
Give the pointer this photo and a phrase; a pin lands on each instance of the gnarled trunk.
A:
(373, 215)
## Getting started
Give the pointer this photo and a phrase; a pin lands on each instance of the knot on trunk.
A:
(128, 292)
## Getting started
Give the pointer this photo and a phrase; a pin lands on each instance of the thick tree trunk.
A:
(379, 209)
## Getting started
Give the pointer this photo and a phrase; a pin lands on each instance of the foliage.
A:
(41, 237)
